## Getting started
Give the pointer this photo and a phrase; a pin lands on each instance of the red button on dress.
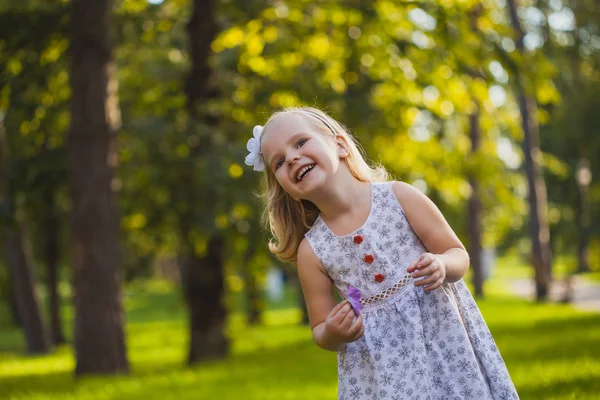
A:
(358, 239)
(379, 278)
(369, 258)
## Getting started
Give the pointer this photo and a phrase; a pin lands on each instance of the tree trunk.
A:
(583, 215)
(538, 209)
(203, 281)
(99, 340)
(255, 301)
(24, 303)
(475, 210)
(204, 284)
(14, 310)
(201, 32)
(474, 206)
(51, 254)
(27, 301)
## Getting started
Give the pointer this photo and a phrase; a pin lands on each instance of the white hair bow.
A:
(255, 159)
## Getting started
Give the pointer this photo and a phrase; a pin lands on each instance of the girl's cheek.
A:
(280, 176)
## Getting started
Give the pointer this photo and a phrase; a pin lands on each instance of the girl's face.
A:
(299, 155)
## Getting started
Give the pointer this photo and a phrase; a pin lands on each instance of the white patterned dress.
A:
(417, 345)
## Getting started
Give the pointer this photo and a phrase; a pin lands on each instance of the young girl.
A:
(408, 327)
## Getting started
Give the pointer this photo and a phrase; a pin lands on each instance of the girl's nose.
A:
(293, 158)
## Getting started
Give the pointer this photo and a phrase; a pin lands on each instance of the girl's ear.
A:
(342, 146)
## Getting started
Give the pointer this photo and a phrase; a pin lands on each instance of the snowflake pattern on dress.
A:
(417, 345)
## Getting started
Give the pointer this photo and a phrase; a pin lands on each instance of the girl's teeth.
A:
(302, 172)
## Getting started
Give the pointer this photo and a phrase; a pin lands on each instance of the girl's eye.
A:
(279, 164)
(302, 142)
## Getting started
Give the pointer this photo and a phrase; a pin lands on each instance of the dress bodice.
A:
(374, 257)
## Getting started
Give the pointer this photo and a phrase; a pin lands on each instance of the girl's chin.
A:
(313, 186)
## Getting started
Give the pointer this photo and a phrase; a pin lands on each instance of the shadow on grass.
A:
(50, 383)
(11, 340)
(146, 307)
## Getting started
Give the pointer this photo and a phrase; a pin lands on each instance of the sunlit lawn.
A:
(552, 352)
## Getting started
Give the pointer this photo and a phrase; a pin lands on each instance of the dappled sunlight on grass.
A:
(281, 328)
(552, 352)
(274, 361)
(14, 364)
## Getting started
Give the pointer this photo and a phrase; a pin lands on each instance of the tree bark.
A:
(204, 282)
(203, 276)
(255, 301)
(24, 287)
(99, 339)
(475, 210)
(475, 199)
(201, 32)
(24, 302)
(583, 218)
(51, 254)
(538, 209)
(14, 310)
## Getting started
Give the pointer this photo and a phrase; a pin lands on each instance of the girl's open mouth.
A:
(304, 171)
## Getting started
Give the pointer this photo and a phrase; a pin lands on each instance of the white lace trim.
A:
(387, 295)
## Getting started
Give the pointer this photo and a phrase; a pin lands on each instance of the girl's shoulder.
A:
(407, 195)
(425, 218)
(414, 203)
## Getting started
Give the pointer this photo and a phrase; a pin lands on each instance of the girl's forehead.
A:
(284, 126)
(289, 124)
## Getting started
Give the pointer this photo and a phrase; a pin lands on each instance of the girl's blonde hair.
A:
(289, 219)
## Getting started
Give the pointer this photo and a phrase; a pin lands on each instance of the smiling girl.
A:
(408, 327)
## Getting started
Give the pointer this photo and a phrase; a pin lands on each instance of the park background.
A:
(133, 263)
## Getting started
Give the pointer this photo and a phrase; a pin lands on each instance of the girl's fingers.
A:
(434, 286)
(347, 322)
(423, 261)
(412, 265)
(342, 309)
(430, 269)
(415, 264)
(428, 280)
(340, 314)
(338, 307)
(360, 333)
(356, 326)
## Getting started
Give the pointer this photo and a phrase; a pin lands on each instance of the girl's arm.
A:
(332, 324)
(447, 260)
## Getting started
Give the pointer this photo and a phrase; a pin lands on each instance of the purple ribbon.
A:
(354, 299)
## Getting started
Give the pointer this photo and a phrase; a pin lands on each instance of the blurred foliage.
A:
(403, 76)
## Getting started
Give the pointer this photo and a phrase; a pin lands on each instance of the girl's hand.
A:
(342, 325)
(432, 268)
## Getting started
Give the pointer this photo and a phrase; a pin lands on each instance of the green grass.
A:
(551, 351)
